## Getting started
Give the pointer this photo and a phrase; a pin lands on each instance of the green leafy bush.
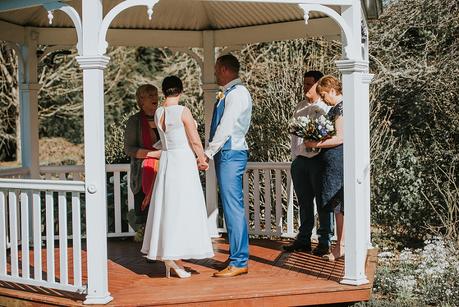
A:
(414, 53)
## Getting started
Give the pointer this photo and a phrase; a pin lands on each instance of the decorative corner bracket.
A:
(191, 53)
(74, 16)
(115, 12)
(348, 35)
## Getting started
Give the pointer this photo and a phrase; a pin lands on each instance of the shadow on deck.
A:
(274, 279)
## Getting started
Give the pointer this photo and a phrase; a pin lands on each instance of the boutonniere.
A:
(220, 95)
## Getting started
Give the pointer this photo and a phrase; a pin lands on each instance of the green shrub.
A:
(414, 51)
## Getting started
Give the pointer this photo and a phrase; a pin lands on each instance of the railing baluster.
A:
(130, 195)
(50, 237)
(224, 225)
(289, 205)
(314, 235)
(18, 217)
(245, 189)
(278, 202)
(37, 275)
(2, 234)
(76, 241)
(297, 211)
(268, 201)
(117, 200)
(25, 234)
(256, 200)
(13, 233)
(63, 237)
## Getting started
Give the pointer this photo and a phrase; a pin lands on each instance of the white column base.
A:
(98, 300)
(354, 282)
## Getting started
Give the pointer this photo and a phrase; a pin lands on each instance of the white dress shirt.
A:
(235, 121)
(305, 108)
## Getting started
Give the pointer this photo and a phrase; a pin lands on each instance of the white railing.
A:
(120, 199)
(268, 197)
(23, 221)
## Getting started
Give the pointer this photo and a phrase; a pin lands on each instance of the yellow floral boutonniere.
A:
(220, 95)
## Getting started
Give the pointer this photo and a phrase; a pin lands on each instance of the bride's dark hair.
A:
(172, 86)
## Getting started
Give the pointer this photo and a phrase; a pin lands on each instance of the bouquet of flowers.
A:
(315, 127)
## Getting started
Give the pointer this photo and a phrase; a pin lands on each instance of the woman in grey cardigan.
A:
(139, 137)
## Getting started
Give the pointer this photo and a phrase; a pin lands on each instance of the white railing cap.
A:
(42, 185)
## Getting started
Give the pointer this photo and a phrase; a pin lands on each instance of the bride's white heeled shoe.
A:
(170, 264)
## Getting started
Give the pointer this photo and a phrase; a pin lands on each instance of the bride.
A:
(177, 220)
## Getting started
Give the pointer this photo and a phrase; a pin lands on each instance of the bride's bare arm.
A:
(192, 134)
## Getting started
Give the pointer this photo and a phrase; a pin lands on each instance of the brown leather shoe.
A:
(231, 271)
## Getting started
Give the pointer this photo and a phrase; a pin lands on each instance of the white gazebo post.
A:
(356, 147)
(366, 79)
(28, 103)
(210, 88)
(355, 152)
(365, 106)
(93, 64)
(356, 136)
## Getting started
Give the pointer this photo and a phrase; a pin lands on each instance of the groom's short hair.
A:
(315, 74)
(230, 62)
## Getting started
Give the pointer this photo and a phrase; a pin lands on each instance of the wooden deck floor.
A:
(274, 279)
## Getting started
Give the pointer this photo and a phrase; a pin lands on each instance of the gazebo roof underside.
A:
(179, 23)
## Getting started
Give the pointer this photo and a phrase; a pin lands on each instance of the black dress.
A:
(332, 178)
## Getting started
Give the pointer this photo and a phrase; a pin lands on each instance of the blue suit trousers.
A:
(230, 166)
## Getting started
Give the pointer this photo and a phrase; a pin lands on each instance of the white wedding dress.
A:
(177, 219)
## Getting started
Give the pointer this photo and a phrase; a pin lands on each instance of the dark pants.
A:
(140, 216)
(306, 177)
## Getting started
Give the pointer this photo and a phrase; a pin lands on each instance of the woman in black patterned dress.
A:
(330, 90)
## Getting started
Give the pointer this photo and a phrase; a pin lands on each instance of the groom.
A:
(228, 148)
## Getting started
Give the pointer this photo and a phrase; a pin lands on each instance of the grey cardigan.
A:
(132, 143)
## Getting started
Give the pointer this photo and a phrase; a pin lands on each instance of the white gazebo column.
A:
(365, 105)
(356, 155)
(28, 104)
(210, 89)
(93, 65)
(366, 79)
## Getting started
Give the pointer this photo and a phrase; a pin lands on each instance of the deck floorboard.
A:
(275, 279)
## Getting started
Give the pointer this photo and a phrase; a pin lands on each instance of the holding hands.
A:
(203, 165)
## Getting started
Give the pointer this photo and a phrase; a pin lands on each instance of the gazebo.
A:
(92, 25)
